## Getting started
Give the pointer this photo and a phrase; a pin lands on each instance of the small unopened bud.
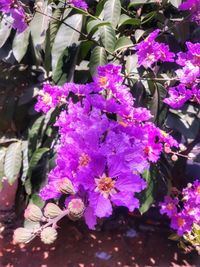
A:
(76, 209)
(167, 149)
(22, 235)
(52, 210)
(174, 157)
(33, 213)
(191, 156)
(48, 235)
(65, 186)
(182, 147)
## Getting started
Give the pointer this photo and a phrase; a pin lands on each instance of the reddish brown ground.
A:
(77, 247)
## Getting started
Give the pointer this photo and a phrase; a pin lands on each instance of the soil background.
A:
(122, 241)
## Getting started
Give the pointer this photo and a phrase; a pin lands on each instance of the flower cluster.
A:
(16, 11)
(185, 213)
(105, 144)
(188, 75)
(149, 51)
(79, 4)
(194, 7)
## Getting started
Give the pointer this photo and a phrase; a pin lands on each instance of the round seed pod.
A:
(48, 235)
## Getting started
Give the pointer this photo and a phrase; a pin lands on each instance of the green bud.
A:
(22, 235)
(48, 235)
(52, 210)
(76, 209)
(33, 213)
(65, 186)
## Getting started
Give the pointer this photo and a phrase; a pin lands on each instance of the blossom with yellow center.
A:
(148, 150)
(84, 160)
(180, 222)
(46, 98)
(105, 186)
(103, 81)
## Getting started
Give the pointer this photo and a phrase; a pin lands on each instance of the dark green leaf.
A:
(126, 20)
(13, 162)
(20, 44)
(112, 11)
(123, 43)
(98, 58)
(108, 38)
(66, 37)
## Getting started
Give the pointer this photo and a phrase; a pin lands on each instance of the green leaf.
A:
(126, 20)
(93, 25)
(175, 3)
(112, 11)
(148, 17)
(59, 74)
(122, 43)
(146, 196)
(40, 23)
(20, 44)
(131, 63)
(35, 199)
(34, 133)
(66, 36)
(24, 160)
(37, 155)
(54, 25)
(108, 38)
(2, 157)
(138, 34)
(141, 2)
(98, 58)
(5, 29)
(13, 162)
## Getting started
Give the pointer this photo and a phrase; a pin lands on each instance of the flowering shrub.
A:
(117, 97)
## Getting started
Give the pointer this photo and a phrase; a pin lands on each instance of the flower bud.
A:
(182, 147)
(174, 157)
(191, 156)
(76, 209)
(48, 235)
(167, 149)
(52, 210)
(22, 235)
(65, 186)
(33, 213)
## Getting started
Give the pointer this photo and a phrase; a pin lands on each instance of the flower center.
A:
(180, 222)
(103, 81)
(84, 160)
(170, 206)
(163, 133)
(198, 190)
(47, 99)
(148, 150)
(105, 186)
(151, 57)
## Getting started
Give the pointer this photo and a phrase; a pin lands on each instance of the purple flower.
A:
(5, 5)
(19, 17)
(111, 188)
(192, 55)
(49, 97)
(196, 94)
(149, 51)
(16, 11)
(169, 206)
(188, 74)
(178, 96)
(79, 4)
(194, 7)
(182, 223)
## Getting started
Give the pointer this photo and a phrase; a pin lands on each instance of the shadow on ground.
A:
(117, 244)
